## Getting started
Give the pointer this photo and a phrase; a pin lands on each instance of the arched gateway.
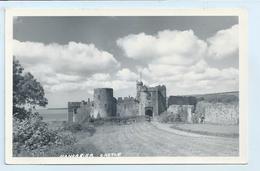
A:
(149, 111)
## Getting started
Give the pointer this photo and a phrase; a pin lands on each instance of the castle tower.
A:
(139, 85)
(162, 102)
(104, 103)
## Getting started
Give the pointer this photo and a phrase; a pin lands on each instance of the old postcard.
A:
(104, 86)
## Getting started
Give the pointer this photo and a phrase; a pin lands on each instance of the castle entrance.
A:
(149, 111)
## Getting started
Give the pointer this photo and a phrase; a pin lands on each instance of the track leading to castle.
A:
(144, 139)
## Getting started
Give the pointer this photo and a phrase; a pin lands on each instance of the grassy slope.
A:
(209, 129)
(144, 139)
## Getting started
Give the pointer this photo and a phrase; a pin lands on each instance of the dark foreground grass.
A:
(88, 150)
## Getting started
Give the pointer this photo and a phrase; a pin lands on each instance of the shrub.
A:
(72, 127)
(31, 136)
(76, 127)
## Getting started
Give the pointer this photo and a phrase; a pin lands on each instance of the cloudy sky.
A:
(72, 55)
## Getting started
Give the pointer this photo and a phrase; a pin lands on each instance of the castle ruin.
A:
(149, 101)
(152, 100)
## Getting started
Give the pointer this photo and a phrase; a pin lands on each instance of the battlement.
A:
(127, 106)
(161, 87)
(143, 87)
(140, 83)
(125, 99)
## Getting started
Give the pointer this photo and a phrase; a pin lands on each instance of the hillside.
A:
(224, 97)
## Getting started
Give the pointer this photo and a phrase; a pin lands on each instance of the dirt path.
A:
(145, 139)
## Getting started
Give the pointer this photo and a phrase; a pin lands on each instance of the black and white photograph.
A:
(114, 86)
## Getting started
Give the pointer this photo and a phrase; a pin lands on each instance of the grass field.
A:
(144, 139)
(209, 129)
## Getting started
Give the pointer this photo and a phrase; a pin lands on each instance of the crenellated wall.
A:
(72, 111)
(127, 106)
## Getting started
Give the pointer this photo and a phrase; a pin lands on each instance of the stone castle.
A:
(149, 101)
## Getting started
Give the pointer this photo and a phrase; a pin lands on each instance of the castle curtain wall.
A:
(73, 111)
(127, 107)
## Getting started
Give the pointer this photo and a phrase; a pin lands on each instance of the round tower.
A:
(103, 103)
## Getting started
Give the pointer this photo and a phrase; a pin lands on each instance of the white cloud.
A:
(64, 67)
(138, 46)
(104, 80)
(179, 59)
(167, 47)
(224, 43)
(180, 47)
(69, 78)
(101, 77)
(126, 74)
(90, 84)
(67, 83)
(197, 78)
(70, 58)
(65, 86)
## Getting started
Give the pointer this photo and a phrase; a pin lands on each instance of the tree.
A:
(27, 92)
(31, 136)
